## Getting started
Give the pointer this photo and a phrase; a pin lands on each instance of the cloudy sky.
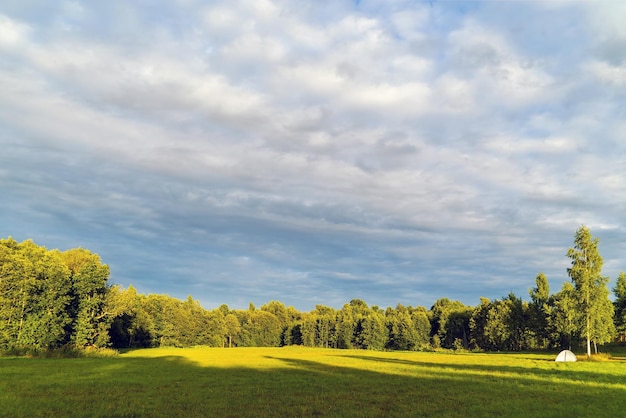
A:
(313, 152)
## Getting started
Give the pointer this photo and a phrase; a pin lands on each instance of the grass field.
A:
(295, 381)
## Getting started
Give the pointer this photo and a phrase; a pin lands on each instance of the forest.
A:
(51, 300)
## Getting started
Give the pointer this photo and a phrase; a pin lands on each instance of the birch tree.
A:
(596, 315)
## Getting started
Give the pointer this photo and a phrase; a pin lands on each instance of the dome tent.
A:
(565, 355)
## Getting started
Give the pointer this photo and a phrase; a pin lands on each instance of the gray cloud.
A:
(315, 153)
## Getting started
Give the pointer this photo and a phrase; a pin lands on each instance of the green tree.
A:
(352, 325)
(563, 317)
(17, 286)
(517, 323)
(34, 296)
(540, 310)
(591, 289)
(323, 320)
(477, 323)
(161, 320)
(421, 324)
(374, 332)
(602, 325)
(214, 328)
(293, 333)
(131, 326)
(620, 306)
(225, 309)
(499, 324)
(202, 327)
(348, 330)
(308, 329)
(279, 310)
(449, 322)
(259, 329)
(49, 317)
(496, 330)
(162, 310)
(232, 328)
(402, 332)
(88, 277)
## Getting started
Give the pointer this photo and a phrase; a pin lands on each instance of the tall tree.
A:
(449, 323)
(500, 324)
(374, 330)
(602, 325)
(497, 330)
(162, 311)
(34, 295)
(478, 324)
(231, 327)
(563, 317)
(280, 311)
(88, 277)
(402, 332)
(325, 329)
(421, 323)
(308, 329)
(540, 310)
(49, 317)
(620, 306)
(14, 291)
(591, 288)
(258, 329)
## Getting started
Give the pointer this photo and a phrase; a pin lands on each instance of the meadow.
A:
(298, 382)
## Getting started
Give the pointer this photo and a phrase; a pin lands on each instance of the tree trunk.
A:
(588, 339)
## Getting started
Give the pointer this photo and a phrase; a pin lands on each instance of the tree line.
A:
(51, 299)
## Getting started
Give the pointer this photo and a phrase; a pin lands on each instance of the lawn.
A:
(296, 381)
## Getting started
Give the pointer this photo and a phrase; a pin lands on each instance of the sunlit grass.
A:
(297, 381)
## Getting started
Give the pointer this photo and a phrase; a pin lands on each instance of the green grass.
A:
(295, 381)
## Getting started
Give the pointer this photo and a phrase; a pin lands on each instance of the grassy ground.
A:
(297, 381)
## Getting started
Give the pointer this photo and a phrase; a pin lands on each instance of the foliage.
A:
(55, 301)
(500, 325)
(539, 312)
(49, 299)
(563, 317)
(620, 306)
(450, 321)
(596, 311)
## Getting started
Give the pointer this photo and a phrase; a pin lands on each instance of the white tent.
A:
(566, 355)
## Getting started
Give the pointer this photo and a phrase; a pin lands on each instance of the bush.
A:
(66, 351)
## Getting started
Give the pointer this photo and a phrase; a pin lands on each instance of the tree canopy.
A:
(51, 299)
(591, 292)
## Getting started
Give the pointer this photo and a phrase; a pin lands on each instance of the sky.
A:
(314, 152)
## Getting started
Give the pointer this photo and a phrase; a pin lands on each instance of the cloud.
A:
(314, 153)
(12, 33)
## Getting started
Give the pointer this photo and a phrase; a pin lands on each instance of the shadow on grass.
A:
(564, 373)
(175, 386)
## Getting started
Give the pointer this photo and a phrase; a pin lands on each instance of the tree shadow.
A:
(176, 386)
(561, 372)
(449, 390)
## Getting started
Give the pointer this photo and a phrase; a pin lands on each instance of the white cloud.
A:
(537, 146)
(12, 33)
(316, 142)
(613, 75)
(454, 94)
(607, 18)
(486, 57)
